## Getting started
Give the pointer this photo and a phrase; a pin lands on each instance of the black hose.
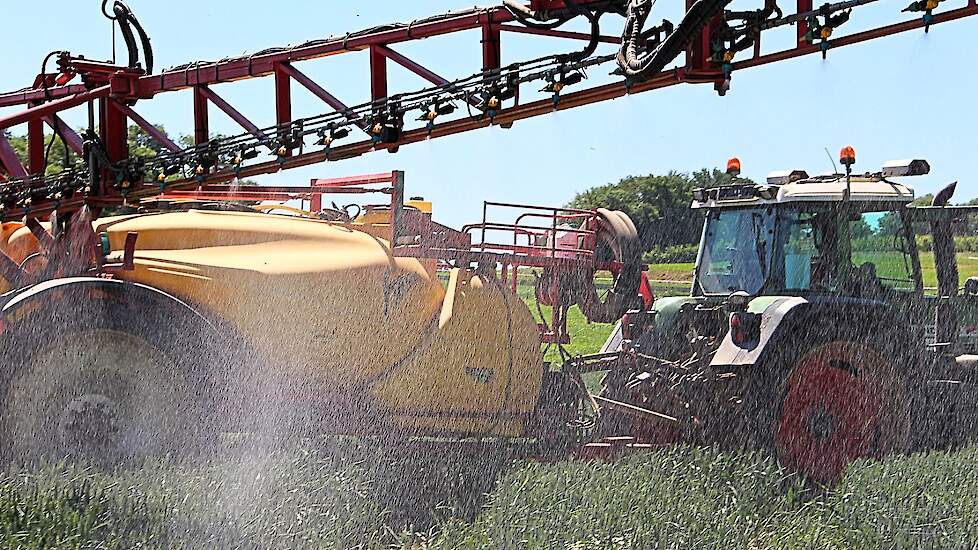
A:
(144, 40)
(636, 65)
(770, 8)
(122, 14)
(54, 119)
(532, 20)
(44, 68)
(121, 17)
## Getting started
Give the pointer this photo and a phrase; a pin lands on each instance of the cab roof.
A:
(829, 188)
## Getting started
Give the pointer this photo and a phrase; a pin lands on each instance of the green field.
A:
(679, 498)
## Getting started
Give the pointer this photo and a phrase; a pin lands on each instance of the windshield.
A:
(804, 249)
(736, 251)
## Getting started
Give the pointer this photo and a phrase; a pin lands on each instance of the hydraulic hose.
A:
(638, 66)
(122, 14)
(535, 20)
(619, 234)
(530, 18)
(770, 8)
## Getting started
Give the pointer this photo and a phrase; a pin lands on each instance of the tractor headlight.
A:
(899, 168)
(783, 177)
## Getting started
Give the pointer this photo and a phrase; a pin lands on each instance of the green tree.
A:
(860, 229)
(54, 149)
(890, 223)
(659, 205)
(140, 144)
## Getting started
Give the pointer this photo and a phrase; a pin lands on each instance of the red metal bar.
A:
(261, 65)
(35, 146)
(311, 85)
(283, 96)
(378, 73)
(889, 30)
(326, 183)
(491, 47)
(699, 51)
(543, 5)
(230, 111)
(201, 131)
(410, 65)
(37, 95)
(804, 6)
(52, 107)
(115, 130)
(69, 135)
(527, 110)
(233, 195)
(558, 34)
(573, 212)
(9, 160)
(153, 131)
(328, 187)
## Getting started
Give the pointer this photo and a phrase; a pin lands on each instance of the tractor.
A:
(809, 330)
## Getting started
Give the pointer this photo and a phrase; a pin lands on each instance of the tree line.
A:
(660, 207)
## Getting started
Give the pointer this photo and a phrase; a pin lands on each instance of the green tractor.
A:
(809, 330)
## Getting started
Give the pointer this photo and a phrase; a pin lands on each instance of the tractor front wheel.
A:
(841, 401)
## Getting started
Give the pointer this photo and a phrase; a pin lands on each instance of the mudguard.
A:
(785, 318)
(68, 292)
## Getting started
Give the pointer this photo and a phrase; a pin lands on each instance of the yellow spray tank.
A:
(357, 336)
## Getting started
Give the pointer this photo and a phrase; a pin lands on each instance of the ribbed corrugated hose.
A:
(638, 66)
(616, 231)
(122, 14)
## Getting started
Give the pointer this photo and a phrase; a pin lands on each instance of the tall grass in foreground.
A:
(678, 498)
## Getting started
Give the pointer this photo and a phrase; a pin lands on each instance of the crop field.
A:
(304, 497)
(321, 494)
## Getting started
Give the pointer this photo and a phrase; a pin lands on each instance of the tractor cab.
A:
(841, 237)
(836, 234)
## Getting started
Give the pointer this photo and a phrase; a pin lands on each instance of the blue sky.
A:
(911, 95)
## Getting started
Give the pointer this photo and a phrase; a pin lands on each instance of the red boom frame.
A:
(116, 90)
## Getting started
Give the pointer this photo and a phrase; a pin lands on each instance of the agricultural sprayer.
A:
(148, 306)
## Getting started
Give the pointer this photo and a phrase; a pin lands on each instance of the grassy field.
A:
(312, 495)
(678, 498)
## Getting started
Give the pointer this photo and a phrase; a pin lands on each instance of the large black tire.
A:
(106, 371)
(825, 400)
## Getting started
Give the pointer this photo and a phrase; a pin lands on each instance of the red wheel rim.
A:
(837, 408)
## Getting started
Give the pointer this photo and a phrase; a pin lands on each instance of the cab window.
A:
(880, 252)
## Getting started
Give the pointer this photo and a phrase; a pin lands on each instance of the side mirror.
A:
(971, 286)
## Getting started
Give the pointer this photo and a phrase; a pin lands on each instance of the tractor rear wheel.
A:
(841, 401)
(108, 380)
